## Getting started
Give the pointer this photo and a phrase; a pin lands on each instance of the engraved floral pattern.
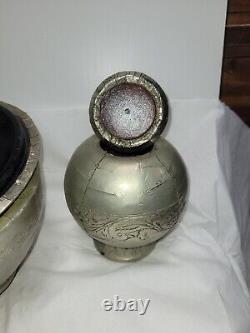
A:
(124, 228)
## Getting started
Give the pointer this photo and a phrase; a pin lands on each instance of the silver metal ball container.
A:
(21, 203)
(126, 186)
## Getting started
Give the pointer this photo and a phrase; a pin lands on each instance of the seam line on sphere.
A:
(90, 178)
(169, 170)
(167, 167)
(156, 186)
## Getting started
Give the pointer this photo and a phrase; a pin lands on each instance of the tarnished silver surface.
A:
(126, 186)
(123, 254)
(19, 227)
(21, 182)
(128, 110)
(126, 202)
(20, 209)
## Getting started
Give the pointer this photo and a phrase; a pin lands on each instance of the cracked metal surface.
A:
(126, 201)
(128, 110)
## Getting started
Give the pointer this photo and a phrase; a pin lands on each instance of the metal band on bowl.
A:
(33, 158)
(161, 106)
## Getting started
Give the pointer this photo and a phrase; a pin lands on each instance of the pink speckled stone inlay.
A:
(127, 110)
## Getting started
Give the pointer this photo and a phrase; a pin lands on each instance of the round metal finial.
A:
(128, 110)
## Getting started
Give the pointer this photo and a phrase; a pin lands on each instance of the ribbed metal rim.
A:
(160, 100)
(33, 158)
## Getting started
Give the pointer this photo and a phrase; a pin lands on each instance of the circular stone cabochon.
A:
(128, 109)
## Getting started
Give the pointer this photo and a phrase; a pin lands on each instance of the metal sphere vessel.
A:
(126, 193)
(21, 194)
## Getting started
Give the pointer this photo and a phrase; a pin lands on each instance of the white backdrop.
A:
(53, 55)
(55, 52)
(195, 277)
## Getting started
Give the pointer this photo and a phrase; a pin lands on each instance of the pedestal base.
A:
(7, 283)
(123, 254)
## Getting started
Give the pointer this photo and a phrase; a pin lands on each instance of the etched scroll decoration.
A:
(137, 226)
